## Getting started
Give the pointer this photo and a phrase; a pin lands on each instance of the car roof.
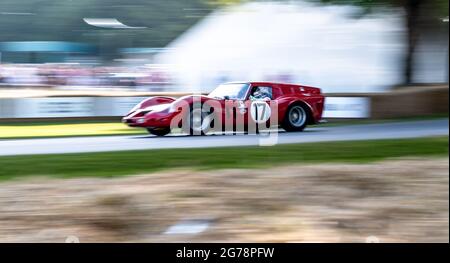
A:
(262, 83)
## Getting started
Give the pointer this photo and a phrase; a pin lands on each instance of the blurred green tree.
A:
(62, 20)
(417, 13)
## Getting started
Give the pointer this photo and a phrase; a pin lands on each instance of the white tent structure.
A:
(310, 44)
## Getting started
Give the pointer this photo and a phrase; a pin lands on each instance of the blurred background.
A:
(376, 172)
(193, 45)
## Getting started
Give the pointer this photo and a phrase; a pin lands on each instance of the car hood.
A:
(159, 107)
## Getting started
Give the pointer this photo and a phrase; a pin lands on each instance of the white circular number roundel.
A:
(260, 111)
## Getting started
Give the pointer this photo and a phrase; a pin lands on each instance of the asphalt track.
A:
(391, 130)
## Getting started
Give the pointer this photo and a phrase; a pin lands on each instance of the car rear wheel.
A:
(159, 131)
(296, 118)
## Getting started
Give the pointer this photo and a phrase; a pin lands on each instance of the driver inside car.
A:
(260, 93)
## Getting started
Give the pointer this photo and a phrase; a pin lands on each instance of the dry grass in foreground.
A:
(396, 201)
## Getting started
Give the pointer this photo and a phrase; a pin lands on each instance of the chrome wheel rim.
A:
(297, 116)
(200, 120)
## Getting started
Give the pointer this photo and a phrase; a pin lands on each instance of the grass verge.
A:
(111, 164)
(35, 130)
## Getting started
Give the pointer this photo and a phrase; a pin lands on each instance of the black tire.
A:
(193, 114)
(159, 131)
(296, 118)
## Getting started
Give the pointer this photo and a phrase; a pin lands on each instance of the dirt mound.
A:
(391, 201)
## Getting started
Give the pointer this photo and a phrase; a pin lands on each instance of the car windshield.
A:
(233, 91)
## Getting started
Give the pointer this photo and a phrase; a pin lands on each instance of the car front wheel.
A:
(199, 121)
(159, 131)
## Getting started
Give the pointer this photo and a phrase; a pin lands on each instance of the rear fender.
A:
(287, 101)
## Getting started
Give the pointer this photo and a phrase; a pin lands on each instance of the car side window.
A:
(261, 93)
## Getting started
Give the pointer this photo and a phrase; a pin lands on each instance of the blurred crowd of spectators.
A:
(151, 78)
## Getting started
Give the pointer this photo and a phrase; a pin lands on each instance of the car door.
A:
(258, 110)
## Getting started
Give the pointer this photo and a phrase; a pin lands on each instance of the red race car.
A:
(231, 106)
